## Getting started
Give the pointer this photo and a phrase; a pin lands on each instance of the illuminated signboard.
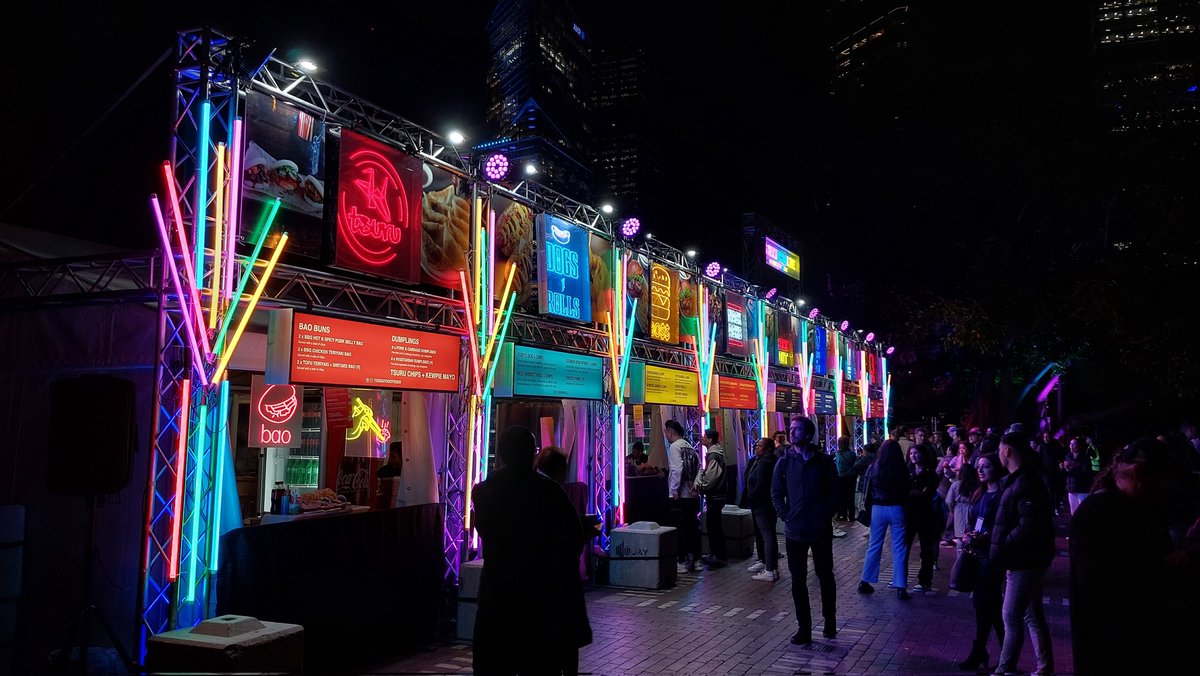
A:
(672, 386)
(378, 210)
(736, 393)
(824, 398)
(876, 408)
(305, 348)
(736, 336)
(782, 260)
(819, 355)
(563, 269)
(664, 306)
(274, 415)
(789, 399)
(562, 375)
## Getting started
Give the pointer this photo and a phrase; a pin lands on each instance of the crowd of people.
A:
(990, 497)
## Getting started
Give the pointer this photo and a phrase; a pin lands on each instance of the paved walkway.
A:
(722, 622)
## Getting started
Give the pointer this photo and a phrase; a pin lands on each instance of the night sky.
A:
(973, 166)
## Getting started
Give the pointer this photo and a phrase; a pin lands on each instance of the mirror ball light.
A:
(814, 313)
(771, 293)
(845, 325)
(889, 351)
(630, 227)
(870, 336)
(496, 167)
(712, 269)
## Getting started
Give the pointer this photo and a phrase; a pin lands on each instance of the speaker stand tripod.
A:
(88, 609)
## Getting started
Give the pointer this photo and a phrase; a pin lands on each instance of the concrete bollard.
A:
(739, 532)
(643, 554)
(468, 599)
(228, 643)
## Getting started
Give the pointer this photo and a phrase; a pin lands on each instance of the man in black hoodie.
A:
(1023, 546)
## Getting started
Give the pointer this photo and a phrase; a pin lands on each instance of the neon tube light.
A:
(197, 477)
(506, 300)
(218, 226)
(264, 229)
(181, 446)
(235, 206)
(480, 243)
(262, 284)
(613, 364)
(193, 286)
(471, 453)
(188, 325)
(485, 437)
(201, 212)
(476, 377)
(628, 345)
(505, 320)
(491, 267)
(222, 446)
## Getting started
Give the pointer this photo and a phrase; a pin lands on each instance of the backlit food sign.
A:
(672, 386)
(378, 210)
(563, 269)
(275, 415)
(736, 393)
(735, 324)
(781, 259)
(562, 375)
(664, 307)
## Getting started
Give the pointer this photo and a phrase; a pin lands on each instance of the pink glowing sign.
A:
(274, 415)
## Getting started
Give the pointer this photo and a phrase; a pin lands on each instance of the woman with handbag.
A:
(959, 502)
(989, 581)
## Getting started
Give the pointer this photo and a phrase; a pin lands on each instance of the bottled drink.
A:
(314, 469)
(276, 498)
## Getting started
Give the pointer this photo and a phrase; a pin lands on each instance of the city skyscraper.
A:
(540, 93)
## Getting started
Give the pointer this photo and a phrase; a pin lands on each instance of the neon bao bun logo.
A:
(372, 207)
(278, 404)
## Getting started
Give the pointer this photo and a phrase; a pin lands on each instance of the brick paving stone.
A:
(693, 628)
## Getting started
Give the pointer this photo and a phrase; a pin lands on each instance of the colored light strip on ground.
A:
(506, 300)
(263, 230)
(197, 479)
(181, 446)
(193, 285)
(235, 207)
(201, 210)
(218, 227)
(258, 290)
(473, 347)
(222, 446)
(188, 325)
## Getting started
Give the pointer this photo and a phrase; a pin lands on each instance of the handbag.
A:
(965, 572)
(864, 516)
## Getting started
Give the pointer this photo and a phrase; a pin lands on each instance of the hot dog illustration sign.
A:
(563, 268)
(378, 210)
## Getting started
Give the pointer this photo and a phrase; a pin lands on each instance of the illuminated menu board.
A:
(564, 272)
(824, 398)
(328, 351)
(789, 399)
(876, 408)
(562, 375)
(672, 386)
(664, 304)
(736, 393)
(819, 354)
(736, 334)
(782, 260)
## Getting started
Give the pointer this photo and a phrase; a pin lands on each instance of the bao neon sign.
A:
(274, 420)
(378, 209)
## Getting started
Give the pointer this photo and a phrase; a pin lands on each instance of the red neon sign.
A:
(274, 420)
(378, 210)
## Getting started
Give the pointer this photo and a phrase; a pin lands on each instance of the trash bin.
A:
(228, 643)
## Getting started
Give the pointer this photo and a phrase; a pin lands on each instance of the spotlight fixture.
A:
(691, 253)
(870, 337)
(844, 326)
(630, 228)
(771, 293)
(496, 167)
(606, 208)
(712, 270)
(890, 350)
(531, 169)
(455, 137)
(800, 302)
(814, 313)
(306, 65)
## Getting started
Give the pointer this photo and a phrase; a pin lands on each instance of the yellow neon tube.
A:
(487, 352)
(258, 290)
(218, 244)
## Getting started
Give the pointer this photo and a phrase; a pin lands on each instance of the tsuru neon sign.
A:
(364, 419)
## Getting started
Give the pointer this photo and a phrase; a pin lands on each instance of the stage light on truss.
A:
(844, 326)
(495, 168)
(306, 65)
(870, 337)
(771, 293)
(692, 253)
(606, 208)
(455, 137)
(531, 169)
(891, 349)
(800, 302)
(814, 313)
(712, 270)
(630, 228)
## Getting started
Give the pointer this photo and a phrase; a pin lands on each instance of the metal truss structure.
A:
(665, 355)
(453, 474)
(537, 330)
(831, 433)
(784, 376)
(752, 429)
(662, 252)
(90, 279)
(542, 198)
(734, 368)
(600, 413)
(859, 433)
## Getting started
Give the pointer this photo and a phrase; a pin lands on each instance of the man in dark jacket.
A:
(1023, 546)
(804, 492)
(532, 538)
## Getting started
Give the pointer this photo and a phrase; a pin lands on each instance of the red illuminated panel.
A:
(332, 351)
(274, 415)
(737, 393)
(378, 210)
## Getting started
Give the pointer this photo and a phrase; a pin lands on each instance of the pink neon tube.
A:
(188, 322)
(235, 203)
(185, 411)
(194, 285)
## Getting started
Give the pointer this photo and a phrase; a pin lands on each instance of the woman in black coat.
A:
(987, 596)
(921, 519)
(756, 496)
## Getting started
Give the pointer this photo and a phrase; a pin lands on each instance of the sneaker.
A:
(766, 576)
(865, 588)
(681, 568)
(839, 533)
(757, 568)
(801, 637)
(948, 544)
(922, 588)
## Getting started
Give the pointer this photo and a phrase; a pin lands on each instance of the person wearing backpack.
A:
(683, 465)
(711, 483)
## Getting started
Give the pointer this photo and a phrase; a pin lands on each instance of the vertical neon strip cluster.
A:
(864, 387)
(839, 395)
(759, 357)
(620, 349)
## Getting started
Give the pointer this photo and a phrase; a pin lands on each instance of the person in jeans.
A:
(684, 507)
(756, 496)
(886, 487)
(1023, 546)
(803, 491)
